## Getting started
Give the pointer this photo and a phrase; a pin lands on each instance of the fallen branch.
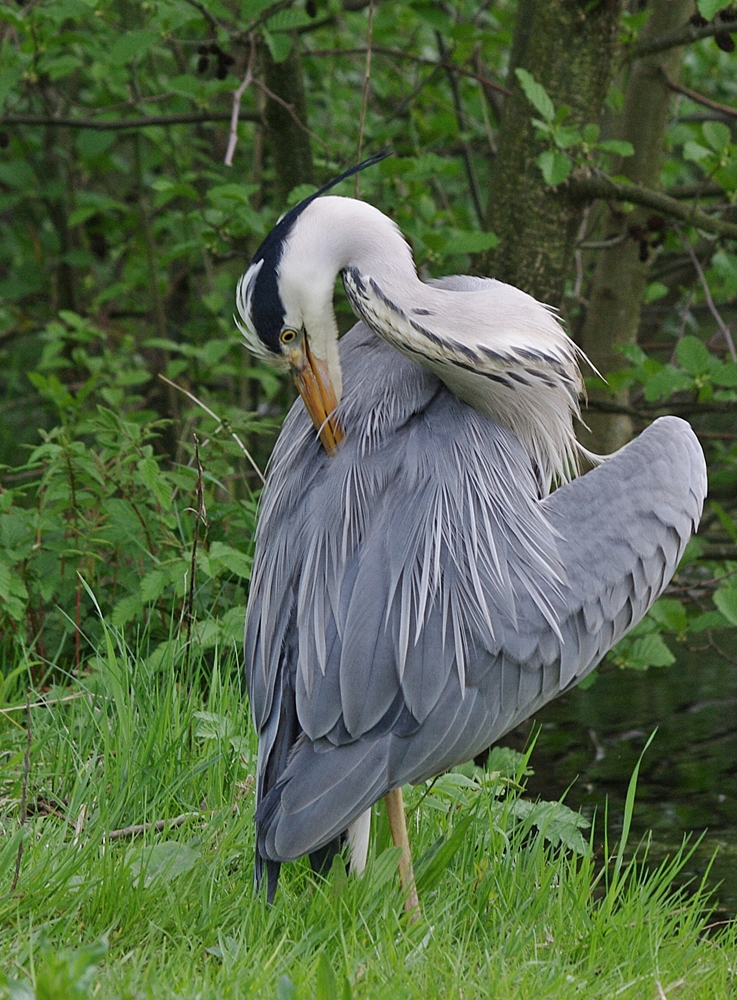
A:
(162, 824)
(159, 824)
(42, 704)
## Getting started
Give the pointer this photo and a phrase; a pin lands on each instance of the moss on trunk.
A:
(571, 49)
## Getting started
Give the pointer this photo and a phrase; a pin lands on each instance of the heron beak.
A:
(312, 378)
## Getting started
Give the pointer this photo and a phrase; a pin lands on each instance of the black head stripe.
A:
(267, 310)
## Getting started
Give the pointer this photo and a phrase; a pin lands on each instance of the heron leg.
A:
(398, 824)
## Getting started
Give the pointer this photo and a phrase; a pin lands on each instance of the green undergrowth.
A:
(515, 902)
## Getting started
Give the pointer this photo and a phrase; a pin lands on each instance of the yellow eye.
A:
(287, 336)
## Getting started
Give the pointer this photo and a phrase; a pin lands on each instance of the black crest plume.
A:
(267, 312)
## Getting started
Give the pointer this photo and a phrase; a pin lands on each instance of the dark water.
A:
(590, 741)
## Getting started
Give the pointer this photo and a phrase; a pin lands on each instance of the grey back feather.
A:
(415, 597)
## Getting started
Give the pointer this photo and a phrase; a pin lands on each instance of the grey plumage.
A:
(417, 595)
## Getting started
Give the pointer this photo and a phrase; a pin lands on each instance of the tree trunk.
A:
(570, 48)
(286, 126)
(617, 288)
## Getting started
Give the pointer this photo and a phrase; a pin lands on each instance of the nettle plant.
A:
(100, 523)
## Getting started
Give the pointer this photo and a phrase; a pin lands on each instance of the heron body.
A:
(417, 590)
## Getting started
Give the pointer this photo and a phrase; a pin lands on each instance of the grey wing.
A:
(455, 606)
(624, 527)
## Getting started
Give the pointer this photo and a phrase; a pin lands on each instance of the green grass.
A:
(507, 912)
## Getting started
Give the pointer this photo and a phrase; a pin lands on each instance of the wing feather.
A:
(416, 597)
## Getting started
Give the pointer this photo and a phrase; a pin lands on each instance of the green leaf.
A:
(717, 135)
(708, 8)
(326, 987)
(590, 133)
(618, 146)
(162, 862)
(17, 174)
(130, 45)
(649, 651)
(708, 619)
(555, 166)
(211, 726)
(669, 613)
(726, 375)
(536, 94)
(726, 600)
(556, 822)
(126, 610)
(237, 562)
(695, 152)
(153, 586)
(654, 291)
(694, 356)
(567, 136)
(279, 46)
(665, 382)
(60, 67)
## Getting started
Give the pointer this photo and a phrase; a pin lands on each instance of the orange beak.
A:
(312, 378)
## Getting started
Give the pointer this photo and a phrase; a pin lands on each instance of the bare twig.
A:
(118, 124)
(214, 416)
(263, 17)
(601, 186)
(398, 54)
(461, 119)
(208, 16)
(238, 94)
(726, 333)
(678, 88)
(366, 88)
(290, 109)
(23, 796)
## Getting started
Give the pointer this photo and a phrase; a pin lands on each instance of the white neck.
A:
(495, 347)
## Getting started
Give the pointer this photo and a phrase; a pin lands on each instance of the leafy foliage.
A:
(123, 233)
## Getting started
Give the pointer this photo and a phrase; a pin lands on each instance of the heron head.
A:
(285, 303)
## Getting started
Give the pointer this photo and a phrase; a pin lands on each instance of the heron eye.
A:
(287, 336)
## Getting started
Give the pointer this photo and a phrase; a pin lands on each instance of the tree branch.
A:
(686, 35)
(584, 188)
(119, 124)
(725, 109)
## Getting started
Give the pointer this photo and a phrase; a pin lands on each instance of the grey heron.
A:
(429, 569)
